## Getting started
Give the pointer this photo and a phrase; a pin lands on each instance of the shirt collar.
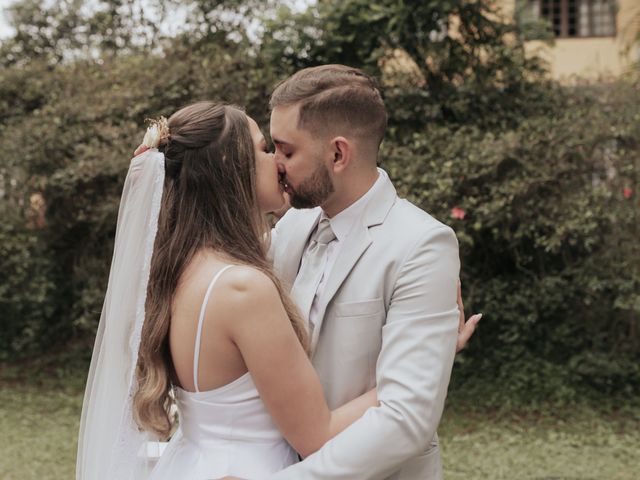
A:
(342, 222)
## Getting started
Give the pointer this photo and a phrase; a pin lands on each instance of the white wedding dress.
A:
(224, 431)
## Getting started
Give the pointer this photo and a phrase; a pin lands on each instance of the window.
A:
(578, 18)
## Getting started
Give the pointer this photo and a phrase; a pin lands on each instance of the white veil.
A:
(110, 445)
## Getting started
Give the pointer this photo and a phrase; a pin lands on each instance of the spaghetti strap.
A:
(196, 352)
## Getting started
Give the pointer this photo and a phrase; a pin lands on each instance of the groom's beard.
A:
(313, 191)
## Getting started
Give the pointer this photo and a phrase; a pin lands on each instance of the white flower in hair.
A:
(152, 137)
(157, 131)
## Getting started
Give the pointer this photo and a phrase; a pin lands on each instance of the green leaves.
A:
(456, 61)
(540, 182)
(548, 239)
(67, 134)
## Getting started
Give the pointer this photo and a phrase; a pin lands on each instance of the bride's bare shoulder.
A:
(242, 290)
(248, 298)
(242, 280)
(204, 267)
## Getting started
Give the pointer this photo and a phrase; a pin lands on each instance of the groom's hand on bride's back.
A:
(465, 328)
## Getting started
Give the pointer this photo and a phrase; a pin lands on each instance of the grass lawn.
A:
(39, 424)
(39, 429)
(572, 445)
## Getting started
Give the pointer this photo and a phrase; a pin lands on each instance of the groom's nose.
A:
(280, 165)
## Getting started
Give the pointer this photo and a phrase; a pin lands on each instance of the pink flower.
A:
(458, 213)
(627, 192)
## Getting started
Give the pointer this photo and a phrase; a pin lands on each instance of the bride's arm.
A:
(288, 384)
(348, 413)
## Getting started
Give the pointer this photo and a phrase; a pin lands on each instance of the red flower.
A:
(627, 192)
(458, 213)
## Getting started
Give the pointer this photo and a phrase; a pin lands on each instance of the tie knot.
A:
(324, 234)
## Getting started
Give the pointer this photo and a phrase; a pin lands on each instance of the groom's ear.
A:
(341, 150)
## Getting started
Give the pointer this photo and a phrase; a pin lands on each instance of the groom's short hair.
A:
(334, 100)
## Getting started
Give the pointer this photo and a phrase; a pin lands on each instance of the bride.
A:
(218, 337)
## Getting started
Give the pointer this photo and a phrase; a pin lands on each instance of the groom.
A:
(375, 276)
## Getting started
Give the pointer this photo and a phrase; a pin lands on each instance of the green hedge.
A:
(67, 133)
(549, 241)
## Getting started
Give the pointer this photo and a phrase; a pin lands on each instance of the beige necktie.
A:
(309, 277)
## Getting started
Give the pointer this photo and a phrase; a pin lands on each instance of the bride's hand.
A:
(465, 328)
(285, 206)
(141, 149)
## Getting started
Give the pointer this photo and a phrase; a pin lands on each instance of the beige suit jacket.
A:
(389, 320)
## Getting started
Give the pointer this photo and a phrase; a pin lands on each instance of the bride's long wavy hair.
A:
(209, 201)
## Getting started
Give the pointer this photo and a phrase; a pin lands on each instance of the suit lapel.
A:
(356, 243)
(287, 260)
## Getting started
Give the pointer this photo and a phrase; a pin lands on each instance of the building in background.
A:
(592, 38)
